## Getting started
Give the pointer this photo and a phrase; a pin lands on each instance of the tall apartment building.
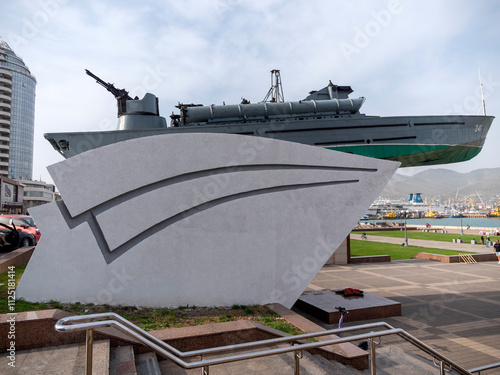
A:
(17, 115)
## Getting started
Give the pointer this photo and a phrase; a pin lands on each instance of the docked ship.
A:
(413, 207)
(494, 213)
(390, 215)
(325, 118)
(431, 214)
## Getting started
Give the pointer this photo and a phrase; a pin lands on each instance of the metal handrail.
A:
(484, 368)
(63, 326)
(90, 322)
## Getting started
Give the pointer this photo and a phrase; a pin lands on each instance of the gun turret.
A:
(121, 95)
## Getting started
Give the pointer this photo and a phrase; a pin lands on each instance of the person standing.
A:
(482, 241)
(497, 249)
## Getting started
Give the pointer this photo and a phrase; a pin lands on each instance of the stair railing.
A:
(94, 321)
(477, 370)
(467, 258)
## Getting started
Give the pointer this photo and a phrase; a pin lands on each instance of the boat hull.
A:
(411, 140)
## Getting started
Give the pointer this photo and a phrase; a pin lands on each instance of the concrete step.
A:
(147, 364)
(64, 359)
(122, 361)
(392, 360)
(70, 359)
(282, 364)
(334, 367)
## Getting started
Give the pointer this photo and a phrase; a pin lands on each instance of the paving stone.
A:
(66, 359)
(467, 301)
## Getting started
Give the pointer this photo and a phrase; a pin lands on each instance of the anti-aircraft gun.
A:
(121, 95)
(134, 114)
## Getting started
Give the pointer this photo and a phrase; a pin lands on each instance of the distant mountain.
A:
(445, 183)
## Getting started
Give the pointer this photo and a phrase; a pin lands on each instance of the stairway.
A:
(65, 359)
(147, 364)
(70, 359)
(122, 361)
(391, 360)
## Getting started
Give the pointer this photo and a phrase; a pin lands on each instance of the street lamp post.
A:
(406, 235)
(461, 227)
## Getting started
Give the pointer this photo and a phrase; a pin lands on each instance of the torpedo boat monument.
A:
(326, 118)
(228, 205)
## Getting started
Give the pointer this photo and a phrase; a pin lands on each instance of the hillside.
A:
(446, 183)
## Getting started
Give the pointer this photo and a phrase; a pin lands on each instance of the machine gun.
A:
(121, 95)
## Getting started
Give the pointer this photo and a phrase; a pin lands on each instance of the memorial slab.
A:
(324, 305)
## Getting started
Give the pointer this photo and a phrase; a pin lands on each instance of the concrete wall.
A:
(342, 254)
(198, 219)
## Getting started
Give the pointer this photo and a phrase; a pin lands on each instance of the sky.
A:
(405, 57)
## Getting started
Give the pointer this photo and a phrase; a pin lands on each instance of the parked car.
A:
(15, 238)
(23, 222)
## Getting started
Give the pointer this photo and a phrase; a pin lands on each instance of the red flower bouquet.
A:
(349, 292)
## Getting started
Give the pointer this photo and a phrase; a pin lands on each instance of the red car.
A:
(23, 222)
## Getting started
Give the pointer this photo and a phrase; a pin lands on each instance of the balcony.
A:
(5, 82)
(6, 107)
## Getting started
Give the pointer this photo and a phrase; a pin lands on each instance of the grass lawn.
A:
(397, 252)
(430, 236)
(153, 318)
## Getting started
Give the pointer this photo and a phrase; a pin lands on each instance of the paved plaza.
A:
(454, 308)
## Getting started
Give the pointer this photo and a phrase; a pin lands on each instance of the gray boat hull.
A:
(412, 140)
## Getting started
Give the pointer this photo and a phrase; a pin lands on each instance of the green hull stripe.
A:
(413, 155)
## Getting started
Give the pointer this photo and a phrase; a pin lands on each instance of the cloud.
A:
(405, 58)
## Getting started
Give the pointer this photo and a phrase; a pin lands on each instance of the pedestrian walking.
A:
(482, 241)
(497, 249)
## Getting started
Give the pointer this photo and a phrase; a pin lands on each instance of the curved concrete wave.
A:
(198, 219)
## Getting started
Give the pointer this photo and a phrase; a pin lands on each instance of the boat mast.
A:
(275, 93)
(482, 93)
